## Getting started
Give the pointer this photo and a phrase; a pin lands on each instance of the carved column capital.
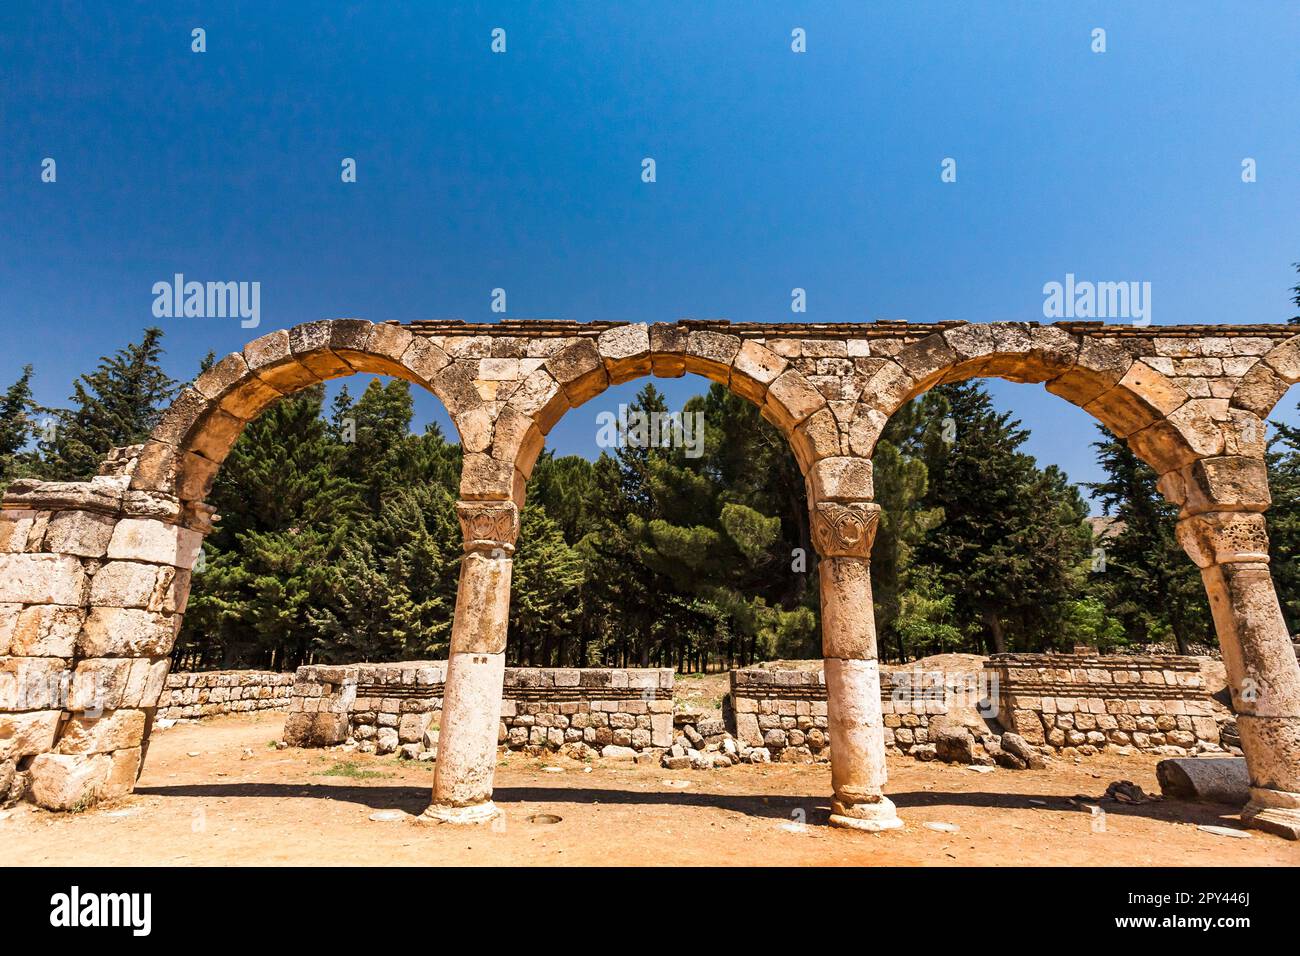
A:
(844, 530)
(489, 525)
(1224, 537)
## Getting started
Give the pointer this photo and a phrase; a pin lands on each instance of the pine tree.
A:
(1284, 518)
(545, 592)
(1145, 559)
(1013, 539)
(16, 429)
(901, 481)
(117, 404)
(285, 514)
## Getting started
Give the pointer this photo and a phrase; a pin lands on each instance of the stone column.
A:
(476, 665)
(843, 533)
(1231, 549)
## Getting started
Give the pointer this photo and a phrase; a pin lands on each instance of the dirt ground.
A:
(217, 792)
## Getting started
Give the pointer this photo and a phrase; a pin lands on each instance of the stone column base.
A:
(1273, 811)
(871, 817)
(475, 813)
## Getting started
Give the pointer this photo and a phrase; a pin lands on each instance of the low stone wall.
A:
(208, 693)
(1079, 704)
(784, 711)
(384, 707)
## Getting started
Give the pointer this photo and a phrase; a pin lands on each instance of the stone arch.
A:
(195, 434)
(1264, 384)
(588, 366)
(1163, 424)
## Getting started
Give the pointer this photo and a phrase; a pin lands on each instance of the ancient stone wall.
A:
(784, 711)
(384, 707)
(1085, 703)
(209, 693)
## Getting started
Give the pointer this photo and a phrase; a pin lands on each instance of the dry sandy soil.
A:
(240, 801)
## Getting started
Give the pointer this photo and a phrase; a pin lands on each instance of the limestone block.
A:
(68, 781)
(889, 388)
(114, 730)
(122, 773)
(127, 632)
(82, 533)
(32, 683)
(249, 397)
(185, 410)
(817, 438)
(580, 371)
(485, 478)
(456, 387)
(790, 400)
(423, 360)
(41, 579)
(711, 353)
(625, 351)
(148, 540)
(41, 630)
(865, 429)
(668, 349)
(134, 584)
(841, 479)
(926, 361)
(24, 734)
(1201, 423)
(1208, 779)
(1285, 359)
(755, 368)
(541, 398)
(99, 684)
(222, 376)
(971, 342)
(1232, 483)
(315, 730)
(382, 350)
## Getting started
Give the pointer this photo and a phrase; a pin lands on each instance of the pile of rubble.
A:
(954, 742)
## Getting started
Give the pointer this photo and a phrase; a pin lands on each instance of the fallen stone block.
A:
(1206, 779)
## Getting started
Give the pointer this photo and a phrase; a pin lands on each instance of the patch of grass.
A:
(353, 771)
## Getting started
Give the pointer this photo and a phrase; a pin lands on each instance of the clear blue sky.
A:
(523, 170)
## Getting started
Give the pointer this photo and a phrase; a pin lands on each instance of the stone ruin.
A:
(94, 575)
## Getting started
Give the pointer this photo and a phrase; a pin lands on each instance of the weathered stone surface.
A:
(25, 734)
(755, 368)
(115, 730)
(32, 683)
(41, 579)
(222, 376)
(143, 539)
(41, 630)
(626, 352)
(127, 632)
(841, 479)
(315, 730)
(1209, 779)
(67, 781)
(791, 399)
(82, 533)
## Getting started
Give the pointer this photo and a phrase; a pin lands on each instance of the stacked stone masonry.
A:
(93, 575)
(385, 706)
(784, 711)
(1082, 704)
(210, 693)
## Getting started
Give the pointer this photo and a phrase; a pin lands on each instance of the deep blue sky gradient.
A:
(522, 170)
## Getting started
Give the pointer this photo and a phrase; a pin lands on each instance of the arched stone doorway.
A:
(105, 563)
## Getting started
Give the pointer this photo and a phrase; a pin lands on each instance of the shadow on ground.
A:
(415, 799)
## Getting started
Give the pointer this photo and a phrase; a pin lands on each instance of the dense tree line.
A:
(338, 538)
